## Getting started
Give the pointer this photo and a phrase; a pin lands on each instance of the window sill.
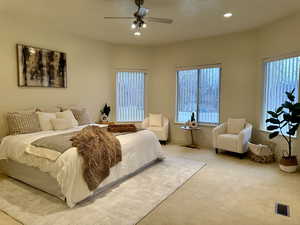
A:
(129, 121)
(199, 124)
(269, 132)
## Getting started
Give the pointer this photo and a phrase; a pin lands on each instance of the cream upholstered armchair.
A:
(159, 125)
(233, 136)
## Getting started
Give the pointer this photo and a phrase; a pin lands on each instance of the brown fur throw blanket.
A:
(100, 151)
(119, 128)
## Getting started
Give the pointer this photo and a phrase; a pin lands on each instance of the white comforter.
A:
(138, 149)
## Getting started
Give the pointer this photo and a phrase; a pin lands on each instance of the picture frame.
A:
(41, 67)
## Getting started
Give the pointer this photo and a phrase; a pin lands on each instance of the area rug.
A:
(125, 204)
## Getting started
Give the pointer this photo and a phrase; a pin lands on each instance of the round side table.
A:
(191, 129)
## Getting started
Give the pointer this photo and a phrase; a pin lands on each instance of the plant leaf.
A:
(273, 120)
(273, 114)
(273, 135)
(292, 92)
(290, 95)
(279, 110)
(287, 105)
(272, 127)
(297, 106)
(293, 130)
(287, 117)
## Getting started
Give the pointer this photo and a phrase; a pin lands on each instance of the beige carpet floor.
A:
(125, 204)
(227, 191)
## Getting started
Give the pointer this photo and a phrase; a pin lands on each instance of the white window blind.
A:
(280, 76)
(130, 96)
(198, 91)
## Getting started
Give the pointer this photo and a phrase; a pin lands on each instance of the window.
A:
(281, 75)
(198, 91)
(130, 96)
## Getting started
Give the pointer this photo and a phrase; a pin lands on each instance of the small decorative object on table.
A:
(193, 122)
(286, 120)
(261, 153)
(105, 113)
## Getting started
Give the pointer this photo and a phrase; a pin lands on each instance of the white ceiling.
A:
(192, 18)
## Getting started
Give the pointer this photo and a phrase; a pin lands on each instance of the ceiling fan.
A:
(140, 16)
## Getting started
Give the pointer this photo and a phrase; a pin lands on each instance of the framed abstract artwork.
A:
(39, 67)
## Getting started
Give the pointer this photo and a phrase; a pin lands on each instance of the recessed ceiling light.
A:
(228, 15)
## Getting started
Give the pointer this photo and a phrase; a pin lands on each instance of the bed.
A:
(63, 177)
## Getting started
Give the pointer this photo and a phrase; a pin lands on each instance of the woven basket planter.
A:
(261, 159)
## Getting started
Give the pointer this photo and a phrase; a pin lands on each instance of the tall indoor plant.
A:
(287, 116)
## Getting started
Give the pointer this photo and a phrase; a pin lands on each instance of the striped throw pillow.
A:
(82, 116)
(23, 123)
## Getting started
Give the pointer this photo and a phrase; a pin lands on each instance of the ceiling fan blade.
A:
(116, 17)
(159, 20)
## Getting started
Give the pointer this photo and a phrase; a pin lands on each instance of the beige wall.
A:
(236, 53)
(279, 38)
(92, 66)
(88, 64)
(132, 58)
(241, 56)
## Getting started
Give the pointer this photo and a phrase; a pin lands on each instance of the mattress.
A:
(138, 150)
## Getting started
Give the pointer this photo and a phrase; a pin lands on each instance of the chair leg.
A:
(217, 151)
(163, 142)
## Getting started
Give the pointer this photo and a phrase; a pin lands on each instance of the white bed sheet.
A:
(138, 149)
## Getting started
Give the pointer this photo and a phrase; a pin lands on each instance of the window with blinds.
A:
(281, 75)
(198, 91)
(130, 96)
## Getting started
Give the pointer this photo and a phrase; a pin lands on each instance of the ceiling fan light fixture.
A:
(137, 33)
(144, 25)
(228, 15)
(133, 26)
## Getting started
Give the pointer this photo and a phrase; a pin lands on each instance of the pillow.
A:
(53, 109)
(69, 107)
(23, 122)
(44, 119)
(234, 126)
(68, 115)
(61, 124)
(82, 116)
(28, 110)
(155, 120)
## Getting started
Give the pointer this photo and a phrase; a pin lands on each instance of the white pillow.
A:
(61, 124)
(68, 115)
(155, 120)
(44, 119)
(235, 126)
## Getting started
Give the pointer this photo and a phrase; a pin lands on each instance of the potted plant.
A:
(105, 113)
(286, 120)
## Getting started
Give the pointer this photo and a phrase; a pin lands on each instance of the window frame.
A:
(116, 94)
(263, 93)
(198, 68)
